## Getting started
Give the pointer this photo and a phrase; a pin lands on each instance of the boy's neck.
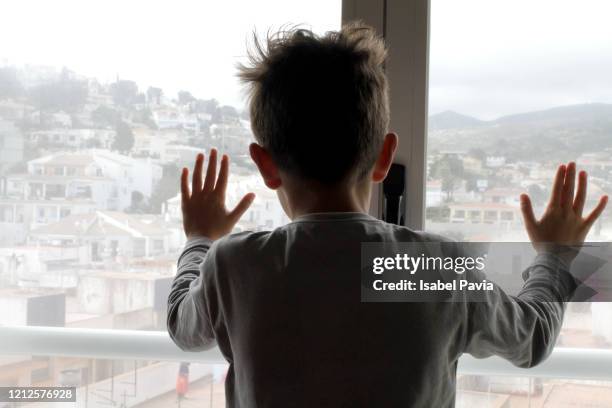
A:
(326, 207)
(301, 201)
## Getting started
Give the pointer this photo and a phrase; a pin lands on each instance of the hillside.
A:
(558, 133)
(452, 120)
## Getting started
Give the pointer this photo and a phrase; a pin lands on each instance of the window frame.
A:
(405, 26)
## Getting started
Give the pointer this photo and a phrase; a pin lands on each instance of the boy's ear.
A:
(265, 164)
(385, 158)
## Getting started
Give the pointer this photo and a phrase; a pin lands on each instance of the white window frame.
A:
(405, 26)
(575, 364)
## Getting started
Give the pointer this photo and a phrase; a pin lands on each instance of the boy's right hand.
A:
(204, 211)
(562, 223)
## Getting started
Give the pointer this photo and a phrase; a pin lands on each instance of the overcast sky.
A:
(179, 44)
(496, 57)
(488, 58)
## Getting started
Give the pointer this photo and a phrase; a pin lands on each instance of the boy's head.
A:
(319, 104)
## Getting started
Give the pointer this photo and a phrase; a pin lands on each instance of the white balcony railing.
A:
(578, 364)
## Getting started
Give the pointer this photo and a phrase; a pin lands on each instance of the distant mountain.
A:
(558, 133)
(452, 120)
(562, 115)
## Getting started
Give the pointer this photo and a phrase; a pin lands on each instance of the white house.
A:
(106, 178)
(108, 235)
(495, 161)
(485, 213)
(18, 216)
(265, 212)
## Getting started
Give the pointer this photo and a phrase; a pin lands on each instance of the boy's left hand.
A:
(204, 212)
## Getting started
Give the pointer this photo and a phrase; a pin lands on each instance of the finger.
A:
(592, 217)
(555, 195)
(527, 211)
(196, 184)
(221, 185)
(567, 195)
(581, 193)
(211, 171)
(242, 206)
(185, 185)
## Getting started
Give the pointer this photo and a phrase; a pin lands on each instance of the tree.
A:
(229, 111)
(216, 116)
(449, 184)
(450, 170)
(138, 204)
(124, 92)
(154, 95)
(206, 106)
(67, 93)
(471, 183)
(144, 116)
(167, 187)
(104, 116)
(10, 87)
(124, 140)
(185, 98)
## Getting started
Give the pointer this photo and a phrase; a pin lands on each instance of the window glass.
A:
(101, 104)
(517, 87)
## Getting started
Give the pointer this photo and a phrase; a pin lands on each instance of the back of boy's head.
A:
(319, 104)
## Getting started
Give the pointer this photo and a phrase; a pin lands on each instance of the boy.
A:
(284, 305)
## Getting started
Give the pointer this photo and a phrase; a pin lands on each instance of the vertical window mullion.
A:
(371, 12)
(405, 25)
(407, 34)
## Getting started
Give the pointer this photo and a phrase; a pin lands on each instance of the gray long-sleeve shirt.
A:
(284, 308)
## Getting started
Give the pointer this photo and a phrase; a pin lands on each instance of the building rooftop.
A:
(51, 178)
(484, 206)
(50, 201)
(104, 224)
(83, 158)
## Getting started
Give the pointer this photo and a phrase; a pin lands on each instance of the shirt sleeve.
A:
(189, 322)
(522, 329)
